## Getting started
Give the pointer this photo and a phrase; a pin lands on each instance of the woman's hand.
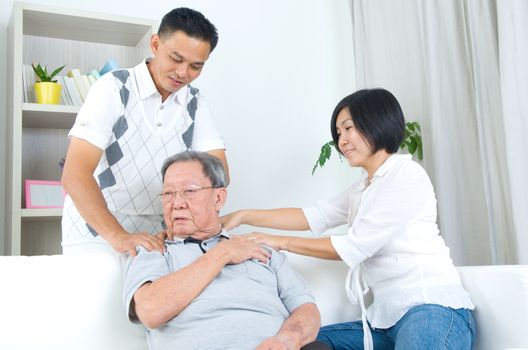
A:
(232, 220)
(274, 241)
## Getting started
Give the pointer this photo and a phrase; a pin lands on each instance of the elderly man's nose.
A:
(178, 201)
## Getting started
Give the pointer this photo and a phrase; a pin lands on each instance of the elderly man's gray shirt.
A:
(245, 304)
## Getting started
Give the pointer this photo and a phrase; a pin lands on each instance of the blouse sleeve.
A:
(386, 209)
(327, 214)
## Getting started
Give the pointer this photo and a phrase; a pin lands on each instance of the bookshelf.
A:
(37, 133)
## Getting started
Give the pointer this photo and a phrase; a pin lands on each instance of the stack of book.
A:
(75, 85)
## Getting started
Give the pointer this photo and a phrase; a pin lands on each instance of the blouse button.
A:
(159, 124)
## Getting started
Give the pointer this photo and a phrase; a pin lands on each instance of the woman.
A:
(392, 243)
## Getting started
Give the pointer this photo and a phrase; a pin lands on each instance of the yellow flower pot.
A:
(48, 93)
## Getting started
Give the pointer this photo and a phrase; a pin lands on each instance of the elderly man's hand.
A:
(279, 342)
(239, 249)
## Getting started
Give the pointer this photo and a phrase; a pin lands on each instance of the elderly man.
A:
(209, 290)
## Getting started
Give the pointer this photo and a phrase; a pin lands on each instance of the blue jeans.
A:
(427, 326)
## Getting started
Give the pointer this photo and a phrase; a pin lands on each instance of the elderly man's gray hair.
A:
(212, 167)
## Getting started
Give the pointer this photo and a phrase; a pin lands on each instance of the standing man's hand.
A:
(127, 243)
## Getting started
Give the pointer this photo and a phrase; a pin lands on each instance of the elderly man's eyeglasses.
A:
(187, 193)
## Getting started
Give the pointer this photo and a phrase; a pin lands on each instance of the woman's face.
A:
(353, 146)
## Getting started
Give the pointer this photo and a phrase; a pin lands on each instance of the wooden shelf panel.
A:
(48, 116)
(85, 26)
(52, 214)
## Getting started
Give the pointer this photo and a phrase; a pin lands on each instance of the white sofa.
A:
(75, 302)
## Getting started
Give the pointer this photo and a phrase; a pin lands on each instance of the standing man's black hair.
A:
(191, 22)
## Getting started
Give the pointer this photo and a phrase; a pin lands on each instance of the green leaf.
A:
(413, 139)
(324, 155)
(43, 75)
(420, 151)
(56, 71)
(412, 146)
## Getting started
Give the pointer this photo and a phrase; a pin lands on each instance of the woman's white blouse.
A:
(392, 242)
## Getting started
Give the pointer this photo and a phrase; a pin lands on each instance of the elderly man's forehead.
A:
(192, 167)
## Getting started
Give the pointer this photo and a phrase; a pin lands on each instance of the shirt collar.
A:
(384, 168)
(389, 163)
(218, 236)
(147, 88)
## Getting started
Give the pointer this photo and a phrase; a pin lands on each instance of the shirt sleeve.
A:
(293, 289)
(145, 267)
(327, 214)
(206, 136)
(391, 204)
(99, 113)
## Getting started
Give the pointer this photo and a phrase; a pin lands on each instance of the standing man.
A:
(131, 121)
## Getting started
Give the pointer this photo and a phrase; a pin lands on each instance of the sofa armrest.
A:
(500, 294)
(65, 302)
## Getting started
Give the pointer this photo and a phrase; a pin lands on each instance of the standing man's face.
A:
(197, 215)
(178, 60)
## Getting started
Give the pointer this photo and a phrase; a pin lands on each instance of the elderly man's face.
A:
(197, 215)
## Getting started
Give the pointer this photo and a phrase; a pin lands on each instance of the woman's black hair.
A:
(376, 115)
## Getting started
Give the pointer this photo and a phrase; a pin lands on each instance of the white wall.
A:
(278, 71)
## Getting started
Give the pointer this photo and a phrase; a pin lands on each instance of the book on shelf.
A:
(109, 66)
(24, 87)
(92, 79)
(86, 82)
(28, 84)
(70, 85)
(65, 95)
(95, 73)
(76, 75)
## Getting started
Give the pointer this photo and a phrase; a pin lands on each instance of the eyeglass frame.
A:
(194, 190)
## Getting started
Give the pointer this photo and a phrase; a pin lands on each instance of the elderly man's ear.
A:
(221, 197)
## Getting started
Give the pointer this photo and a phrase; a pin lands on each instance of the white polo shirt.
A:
(123, 115)
(392, 243)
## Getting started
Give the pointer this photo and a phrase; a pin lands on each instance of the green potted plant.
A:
(47, 90)
(412, 141)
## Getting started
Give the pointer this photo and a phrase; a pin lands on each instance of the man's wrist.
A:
(291, 338)
(286, 245)
(115, 236)
(220, 253)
